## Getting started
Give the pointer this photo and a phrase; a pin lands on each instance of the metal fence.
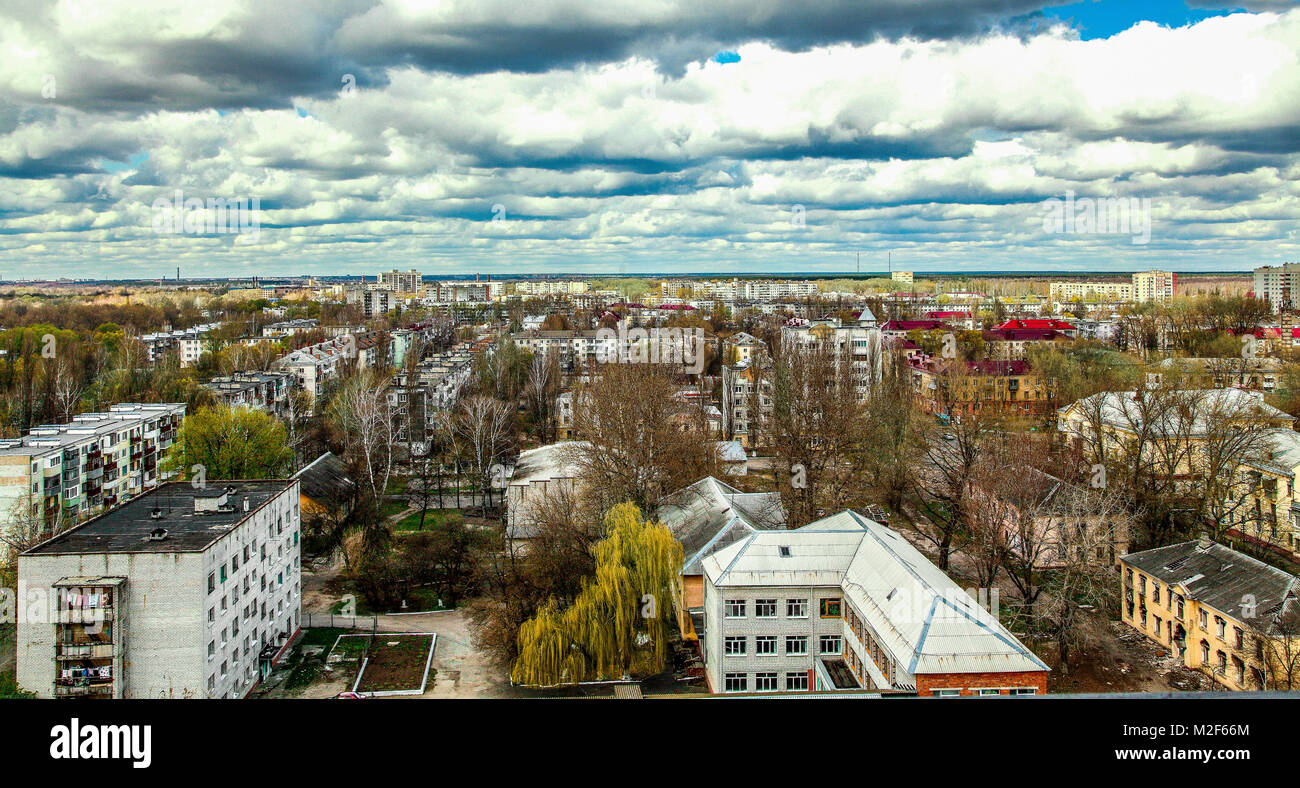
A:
(339, 621)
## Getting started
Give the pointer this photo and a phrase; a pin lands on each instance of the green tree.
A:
(231, 443)
(621, 621)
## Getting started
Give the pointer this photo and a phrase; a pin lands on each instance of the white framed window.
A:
(1024, 691)
(765, 682)
(982, 692)
(796, 681)
(796, 608)
(735, 682)
(734, 608)
(796, 644)
(947, 693)
(765, 645)
(733, 646)
(830, 644)
(764, 608)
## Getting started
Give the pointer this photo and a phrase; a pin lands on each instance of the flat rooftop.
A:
(128, 528)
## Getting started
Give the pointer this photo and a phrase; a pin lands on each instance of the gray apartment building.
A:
(59, 473)
(181, 593)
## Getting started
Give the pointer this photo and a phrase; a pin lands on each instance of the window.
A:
(212, 582)
(947, 693)
(1024, 691)
(735, 682)
(733, 646)
(223, 573)
(796, 608)
(734, 608)
(765, 645)
(986, 692)
(764, 608)
(212, 649)
(796, 681)
(829, 644)
(831, 608)
(1220, 625)
(765, 682)
(1204, 620)
(796, 644)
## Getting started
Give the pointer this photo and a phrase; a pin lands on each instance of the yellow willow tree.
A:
(621, 620)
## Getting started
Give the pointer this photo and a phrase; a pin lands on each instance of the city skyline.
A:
(482, 138)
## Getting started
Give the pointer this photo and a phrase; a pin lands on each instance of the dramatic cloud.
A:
(498, 136)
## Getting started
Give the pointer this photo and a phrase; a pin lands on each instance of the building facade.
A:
(181, 593)
(1217, 611)
(847, 604)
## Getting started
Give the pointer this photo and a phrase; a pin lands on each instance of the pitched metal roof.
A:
(924, 620)
(710, 515)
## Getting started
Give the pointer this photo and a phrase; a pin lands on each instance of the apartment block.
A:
(268, 391)
(402, 281)
(1154, 286)
(59, 473)
(1216, 610)
(315, 365)
(1279, 285)
(181, 593)
(545, 287)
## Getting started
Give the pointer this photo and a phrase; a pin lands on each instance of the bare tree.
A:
(485, 428)
(365, 419)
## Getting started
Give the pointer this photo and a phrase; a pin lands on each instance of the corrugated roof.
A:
(709, 515)
(1222, 578)
(925, 621)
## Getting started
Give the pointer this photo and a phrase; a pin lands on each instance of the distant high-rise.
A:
(1279, 285)
(402, 282)
(1154, 285)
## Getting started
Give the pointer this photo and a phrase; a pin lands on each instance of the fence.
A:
(339, 621)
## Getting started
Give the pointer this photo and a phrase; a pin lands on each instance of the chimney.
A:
(1204, 542)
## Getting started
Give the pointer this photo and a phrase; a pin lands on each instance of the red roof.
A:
(1040, 323)
(943, 314)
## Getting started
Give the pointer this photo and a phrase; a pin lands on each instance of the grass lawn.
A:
(397, 662)
(432, 518)
(390, 508)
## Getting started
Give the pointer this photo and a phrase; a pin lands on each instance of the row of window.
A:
(767, 608)
(765, 645)
(765, 682)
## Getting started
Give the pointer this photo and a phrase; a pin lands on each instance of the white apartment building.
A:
(858, 343)
(181, 593)
(59, 473)
(1141, 287)
(315, 365)
(546, 287)
(373, 303)
(846, 604)
(1061, 292)
(402, 281)
(737, 289)
(463, 292)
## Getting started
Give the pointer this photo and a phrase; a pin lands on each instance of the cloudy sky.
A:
(729, 136)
